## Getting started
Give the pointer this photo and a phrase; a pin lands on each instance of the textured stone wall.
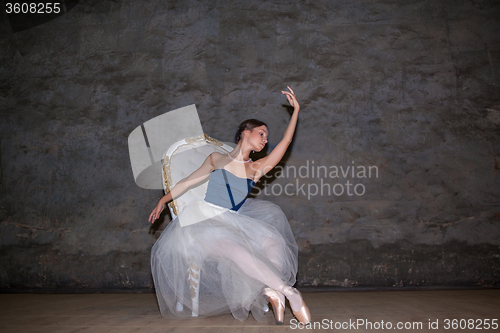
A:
(410, 88)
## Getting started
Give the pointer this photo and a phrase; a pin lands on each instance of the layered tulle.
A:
(235, 255)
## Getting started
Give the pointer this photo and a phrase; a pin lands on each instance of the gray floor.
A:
(139, 313)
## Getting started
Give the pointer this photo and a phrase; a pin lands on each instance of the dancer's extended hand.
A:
(291, 98)
(156, 212)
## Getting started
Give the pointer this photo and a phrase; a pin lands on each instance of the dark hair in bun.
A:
(248, 124)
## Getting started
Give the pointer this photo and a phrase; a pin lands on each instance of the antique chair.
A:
(179, 161)
(165, 150)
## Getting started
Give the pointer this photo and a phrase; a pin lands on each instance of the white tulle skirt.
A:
(223, 263)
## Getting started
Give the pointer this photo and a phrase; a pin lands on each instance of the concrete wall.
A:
(408, 87)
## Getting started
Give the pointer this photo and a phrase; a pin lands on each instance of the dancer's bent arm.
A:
(265, 164)
(197, 176)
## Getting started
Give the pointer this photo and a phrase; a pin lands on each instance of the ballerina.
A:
(244, 246)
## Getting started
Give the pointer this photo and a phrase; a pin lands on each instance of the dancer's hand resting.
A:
(155, 214)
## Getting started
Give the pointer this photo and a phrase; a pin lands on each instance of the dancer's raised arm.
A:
(197, 176)
(264, 165)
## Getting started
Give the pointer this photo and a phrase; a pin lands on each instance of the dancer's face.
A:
(258, 137)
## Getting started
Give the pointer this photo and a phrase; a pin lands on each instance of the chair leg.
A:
(194, 287)
(179, 307)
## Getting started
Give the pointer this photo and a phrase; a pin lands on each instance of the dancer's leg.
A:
(254, 268)
(251, 266)
(274, 251)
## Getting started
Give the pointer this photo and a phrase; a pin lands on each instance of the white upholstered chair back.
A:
(181, 159)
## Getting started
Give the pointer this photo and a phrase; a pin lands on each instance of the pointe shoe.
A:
(303, 315)
(278, 307)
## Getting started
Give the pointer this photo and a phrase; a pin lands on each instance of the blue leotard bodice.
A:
(218, 185)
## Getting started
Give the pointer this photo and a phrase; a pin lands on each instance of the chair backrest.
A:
(147, 143)
(181, 159)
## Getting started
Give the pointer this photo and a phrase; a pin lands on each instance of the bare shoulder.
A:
(217, 155)
(218, 158)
